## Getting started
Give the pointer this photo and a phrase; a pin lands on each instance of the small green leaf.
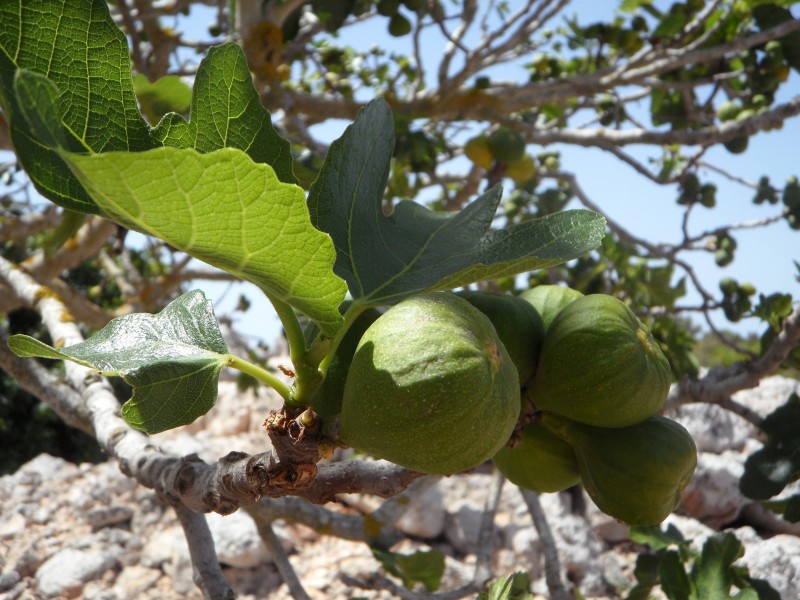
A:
(646, 574)
(425, 567)
(711, 572)
(387, 258)
(226, 210)
(227, 113)
(770, 469)
(655, 537)
(674, 580)
(514, 587)
(171, 360)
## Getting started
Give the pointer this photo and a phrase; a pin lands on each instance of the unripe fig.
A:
(635, 474)
(728, 111)
(518, 326)
(600, 365)
(507, 145)
(548, 300)
(477, 150)
(541, 461)
(431, 387)
(523, 169)
(399, 25)
(327, 402)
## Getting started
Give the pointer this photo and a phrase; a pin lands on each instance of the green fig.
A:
(635, 474)
(600, 365)
(431, 387)
(518, 325)
(541, 461)
(548, 300)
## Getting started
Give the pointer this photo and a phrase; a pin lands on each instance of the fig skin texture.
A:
(541, 461)
(431, 387)
(549, 300)
(600, 365)
(518, 325)
(635, 474)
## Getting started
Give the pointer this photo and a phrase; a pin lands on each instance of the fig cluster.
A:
(557, 388)
(505, 148)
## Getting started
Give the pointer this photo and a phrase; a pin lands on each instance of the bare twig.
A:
(207, 573)
(281, 560)
(552, 564)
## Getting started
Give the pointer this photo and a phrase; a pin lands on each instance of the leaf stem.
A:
(261, 374)
(306, 375)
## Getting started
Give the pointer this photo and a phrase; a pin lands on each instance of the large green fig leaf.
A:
(413, 250)
(220, 207)
(226, 113)
(226, 210)
(76, 45)
(171, 360)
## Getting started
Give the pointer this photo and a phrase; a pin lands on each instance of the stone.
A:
(425, 516)
(135, 580)
(164, 546)
(65, 573)
(236, 540)
(106, 516)
(777, 560)
(713, 428)
(8, 580)
(713, 495)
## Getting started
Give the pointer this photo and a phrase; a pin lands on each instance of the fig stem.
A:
(262, 375)
(306, 376)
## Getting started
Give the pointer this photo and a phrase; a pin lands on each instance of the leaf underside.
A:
(172, 360)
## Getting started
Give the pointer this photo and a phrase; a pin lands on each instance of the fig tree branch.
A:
(281, 560)
(552, 564)
(206, 570)
(234, 480)
(720, 383)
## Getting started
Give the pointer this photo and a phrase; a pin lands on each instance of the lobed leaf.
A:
(387, 258)
(226, 112)
(171, 360)
(226, 210)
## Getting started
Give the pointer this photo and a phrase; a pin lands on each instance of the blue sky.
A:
(764, 256)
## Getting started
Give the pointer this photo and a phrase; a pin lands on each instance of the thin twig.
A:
(207, 573)
(281, 560)
(552, 564)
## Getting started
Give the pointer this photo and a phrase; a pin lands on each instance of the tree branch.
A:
(207, 573)
(552, 564)
(720, 383)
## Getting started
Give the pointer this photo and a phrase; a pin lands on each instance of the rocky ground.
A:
(87, 531)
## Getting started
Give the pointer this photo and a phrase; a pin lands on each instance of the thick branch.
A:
(722, 382)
